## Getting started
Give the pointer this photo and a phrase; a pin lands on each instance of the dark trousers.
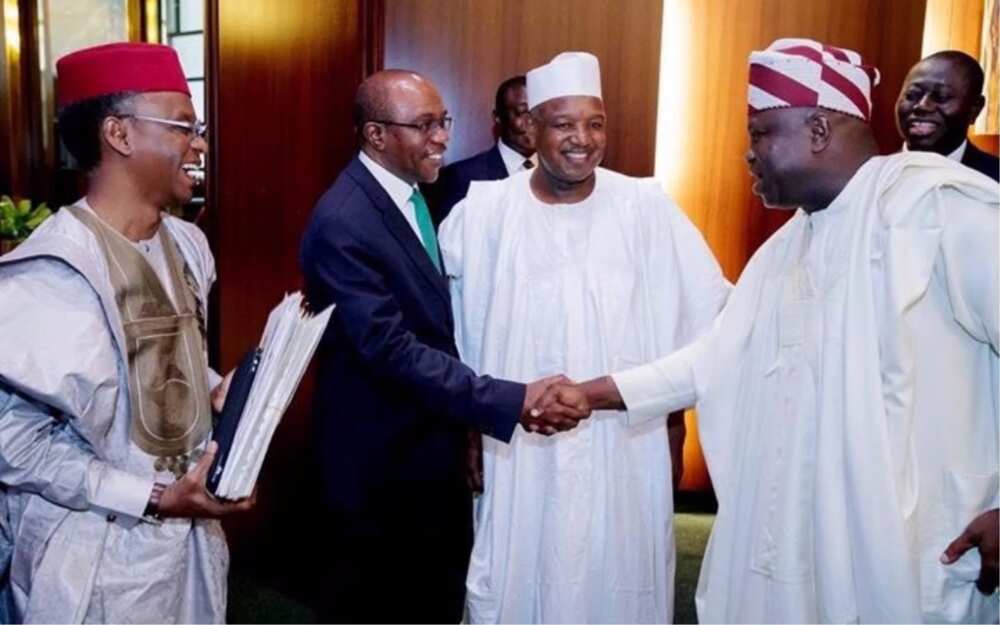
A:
(402, 568)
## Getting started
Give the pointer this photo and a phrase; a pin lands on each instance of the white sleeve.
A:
(969, 253)
(214, 379)
(58, 362)
(704, 289)
(450, 239)
(40, 453)
(665, 385)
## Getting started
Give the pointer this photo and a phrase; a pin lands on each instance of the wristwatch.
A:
(153, 505)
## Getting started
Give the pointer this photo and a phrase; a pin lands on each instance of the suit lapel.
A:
(970, 158)
(398, 227)
(977, 159)
(494, 164)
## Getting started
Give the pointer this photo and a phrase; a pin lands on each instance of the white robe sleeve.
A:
(54, 367)
(665, 385)
(969, 254)
(668, 384)
(704, 289)
(451, 243)
(40, 453)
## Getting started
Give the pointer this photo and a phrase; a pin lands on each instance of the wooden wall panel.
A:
(23, 167)
(468, 47)
(953, 25)
(282, 77)
(989, 121)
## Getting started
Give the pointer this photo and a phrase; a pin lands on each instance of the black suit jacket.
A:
(453, 182)
(983, 162)
(393, 401)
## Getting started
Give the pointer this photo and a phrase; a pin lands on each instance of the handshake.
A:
(553, 404)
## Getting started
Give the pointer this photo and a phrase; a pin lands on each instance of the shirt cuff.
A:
(653, 390)
(213, 379)
(120, 493)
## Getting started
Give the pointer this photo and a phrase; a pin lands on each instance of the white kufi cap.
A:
(568, 74)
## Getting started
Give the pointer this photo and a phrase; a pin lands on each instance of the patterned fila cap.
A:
(803, 72)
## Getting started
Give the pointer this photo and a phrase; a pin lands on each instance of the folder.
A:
(260, 392)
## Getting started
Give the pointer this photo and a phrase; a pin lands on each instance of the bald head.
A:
(803, 157)
(402, 124)
(374, 98)
(963, 63)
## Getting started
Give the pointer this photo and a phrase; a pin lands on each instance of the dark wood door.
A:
(281, 82)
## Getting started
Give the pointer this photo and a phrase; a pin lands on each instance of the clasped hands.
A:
(553, 404)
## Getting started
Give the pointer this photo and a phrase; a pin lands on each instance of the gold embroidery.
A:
(168, 390)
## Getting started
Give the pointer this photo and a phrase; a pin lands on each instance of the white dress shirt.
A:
(956, 155)
(959, 152)
(398, 189)
(512, 159)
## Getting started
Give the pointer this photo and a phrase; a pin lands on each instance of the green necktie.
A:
(426, 227)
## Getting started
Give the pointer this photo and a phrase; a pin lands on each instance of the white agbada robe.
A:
(576, 527)
(847, 405)
(77, 485)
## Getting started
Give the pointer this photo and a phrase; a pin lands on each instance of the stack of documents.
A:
(259, 394)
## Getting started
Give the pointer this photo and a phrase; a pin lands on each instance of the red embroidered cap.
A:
(114, 67)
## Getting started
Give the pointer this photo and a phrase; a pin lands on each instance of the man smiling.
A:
(941, 98)
(514, 150)
(847, 395)
(393, 401)
(104, 384)
(571, 267)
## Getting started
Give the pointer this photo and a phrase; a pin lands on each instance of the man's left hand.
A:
(474, 461)
(984, 534)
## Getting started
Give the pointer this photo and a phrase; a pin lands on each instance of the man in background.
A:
(847, 395)
(514, 150)
(105, 415)
(571, 267)
(393, 402)
(941, 97)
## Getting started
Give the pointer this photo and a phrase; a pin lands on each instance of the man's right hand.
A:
(188, 498)
(551, 405)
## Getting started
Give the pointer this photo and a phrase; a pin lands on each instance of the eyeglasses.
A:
(192, 129)
(425, 127)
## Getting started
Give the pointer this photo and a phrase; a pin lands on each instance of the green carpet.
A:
(691, 531)
(254, 601)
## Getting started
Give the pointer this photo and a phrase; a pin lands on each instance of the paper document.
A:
(263, 387)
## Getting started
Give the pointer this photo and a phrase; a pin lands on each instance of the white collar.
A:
(512, 159)
(959, 152)
(398, 189)
(956, 156)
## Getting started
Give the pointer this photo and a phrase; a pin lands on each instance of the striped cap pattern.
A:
(803, 72)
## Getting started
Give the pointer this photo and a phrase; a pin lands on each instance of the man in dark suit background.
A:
(514, 150)
(941, 97)
(393, 402)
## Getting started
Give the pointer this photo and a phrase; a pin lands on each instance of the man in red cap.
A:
(847, 398)
(105, 397)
